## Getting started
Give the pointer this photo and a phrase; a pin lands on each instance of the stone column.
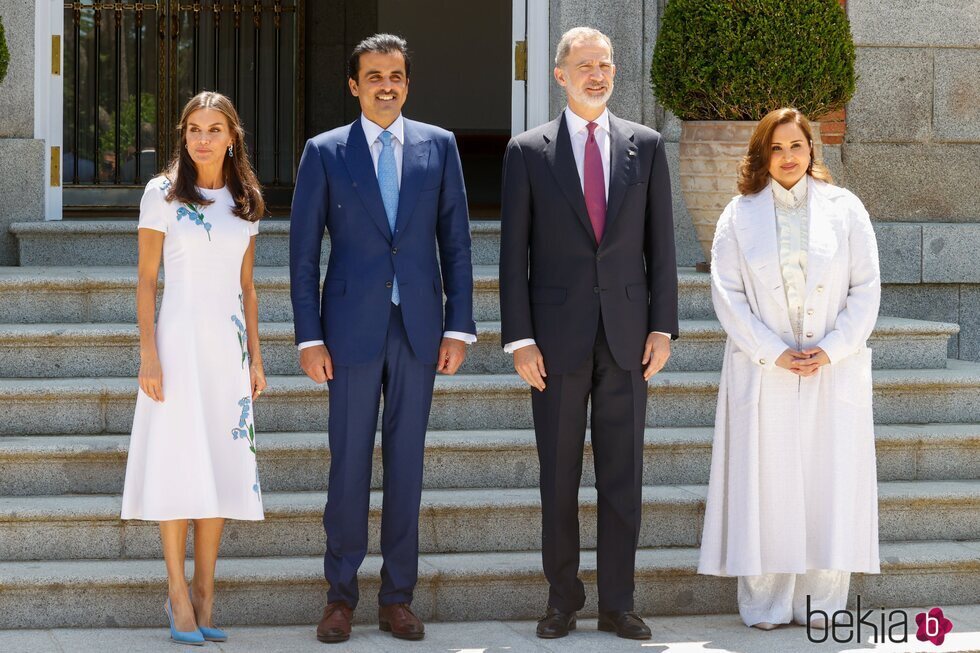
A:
(21, 155)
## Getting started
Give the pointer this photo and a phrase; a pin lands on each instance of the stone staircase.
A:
(68, 360)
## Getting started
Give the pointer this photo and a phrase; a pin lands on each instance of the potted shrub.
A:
(721, 65)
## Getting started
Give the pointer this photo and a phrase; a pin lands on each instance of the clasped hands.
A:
(318, 365)
(803, 363)
(529, 363)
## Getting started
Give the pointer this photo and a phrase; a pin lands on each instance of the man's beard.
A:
(591, 100)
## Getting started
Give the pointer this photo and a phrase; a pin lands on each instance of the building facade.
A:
(87, 111)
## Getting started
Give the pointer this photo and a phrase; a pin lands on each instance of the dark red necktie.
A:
(595, 184)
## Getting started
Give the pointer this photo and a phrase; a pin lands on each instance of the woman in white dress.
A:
(192, 449)
(792, 500)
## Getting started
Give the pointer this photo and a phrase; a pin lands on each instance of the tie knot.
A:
(591, 127)
(386, 138)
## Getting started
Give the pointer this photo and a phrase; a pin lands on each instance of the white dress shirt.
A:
(578, 132)
(372, 133)
(792, 229)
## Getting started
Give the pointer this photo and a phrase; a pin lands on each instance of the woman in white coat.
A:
(792, 500)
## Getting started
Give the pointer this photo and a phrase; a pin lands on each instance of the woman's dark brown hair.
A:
(753, 169)
(238, 174)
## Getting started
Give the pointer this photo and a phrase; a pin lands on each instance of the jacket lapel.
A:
(360, 165)
(561, 162)
(825, 221)
(415, 160)
(622, 158)
(756, 229)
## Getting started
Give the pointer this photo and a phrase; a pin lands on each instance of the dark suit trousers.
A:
(355, 392)
(618, 399)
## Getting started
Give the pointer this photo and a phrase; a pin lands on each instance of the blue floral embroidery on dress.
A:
(242, 333)
(194, 214)
(246, 431)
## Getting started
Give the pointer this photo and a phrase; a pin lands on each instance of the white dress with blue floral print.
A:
(193, 455)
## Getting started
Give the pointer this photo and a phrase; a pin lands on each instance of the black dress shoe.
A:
(555, 624)
(625, 624)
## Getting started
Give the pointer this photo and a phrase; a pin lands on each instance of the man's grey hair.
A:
(578, 35)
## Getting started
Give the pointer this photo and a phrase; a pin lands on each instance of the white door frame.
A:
(539, 65)
(529, 99)
(49, 91)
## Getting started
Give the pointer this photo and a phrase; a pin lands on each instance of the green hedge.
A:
(4, 54)
(739, 59)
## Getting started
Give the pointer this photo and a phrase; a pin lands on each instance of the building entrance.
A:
(131, 66)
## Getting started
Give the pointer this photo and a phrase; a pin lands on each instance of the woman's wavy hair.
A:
(239, 176)
(753, 169)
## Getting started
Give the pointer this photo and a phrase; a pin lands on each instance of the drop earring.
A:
(231, 151)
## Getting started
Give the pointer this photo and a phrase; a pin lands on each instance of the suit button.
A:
(394, 250)
(762, 361)
(810, 312)
(598, 257)
(388, 284)
(819, 288)
(809, 334)
(596, 290)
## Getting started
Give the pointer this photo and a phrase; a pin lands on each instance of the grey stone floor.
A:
(704, 634)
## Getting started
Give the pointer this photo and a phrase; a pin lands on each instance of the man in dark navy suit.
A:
(390, 193)
(588, 294)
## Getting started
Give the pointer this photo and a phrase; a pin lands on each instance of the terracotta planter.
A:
(710, 152)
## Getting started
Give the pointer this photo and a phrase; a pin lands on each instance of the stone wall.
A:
(21, 156)
(912, 149)
(912, 154)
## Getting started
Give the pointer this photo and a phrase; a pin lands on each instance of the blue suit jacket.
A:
(337, 190)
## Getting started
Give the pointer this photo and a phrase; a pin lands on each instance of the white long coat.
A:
(793, 483)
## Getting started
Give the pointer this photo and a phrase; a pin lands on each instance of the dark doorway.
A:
(461, 75)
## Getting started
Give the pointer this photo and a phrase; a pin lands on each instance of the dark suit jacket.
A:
(337, 189)
(554, 278)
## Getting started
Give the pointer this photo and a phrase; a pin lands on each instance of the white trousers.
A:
(781, 598)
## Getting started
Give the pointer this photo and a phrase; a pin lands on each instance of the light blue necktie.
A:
(388, 181)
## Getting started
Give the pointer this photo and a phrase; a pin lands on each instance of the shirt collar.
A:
(794, 196)
(577, 124)
(372, 130)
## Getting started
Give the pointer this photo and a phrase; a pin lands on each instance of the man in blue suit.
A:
(390, 192)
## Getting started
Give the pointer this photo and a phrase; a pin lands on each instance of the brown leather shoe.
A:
(400, 621)
(335, 625)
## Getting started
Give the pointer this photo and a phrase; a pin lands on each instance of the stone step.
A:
(451, 521)
(37, 295)
(451, 587)
(74, 350)
(466, 402)
(297, 462)
(113, 242)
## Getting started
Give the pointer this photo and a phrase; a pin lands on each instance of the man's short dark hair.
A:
(381, 44)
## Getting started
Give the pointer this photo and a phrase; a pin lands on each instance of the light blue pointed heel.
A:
(213, 634)
(210, 634)
(192, 637)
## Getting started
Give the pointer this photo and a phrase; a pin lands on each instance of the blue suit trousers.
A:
(355, 393)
